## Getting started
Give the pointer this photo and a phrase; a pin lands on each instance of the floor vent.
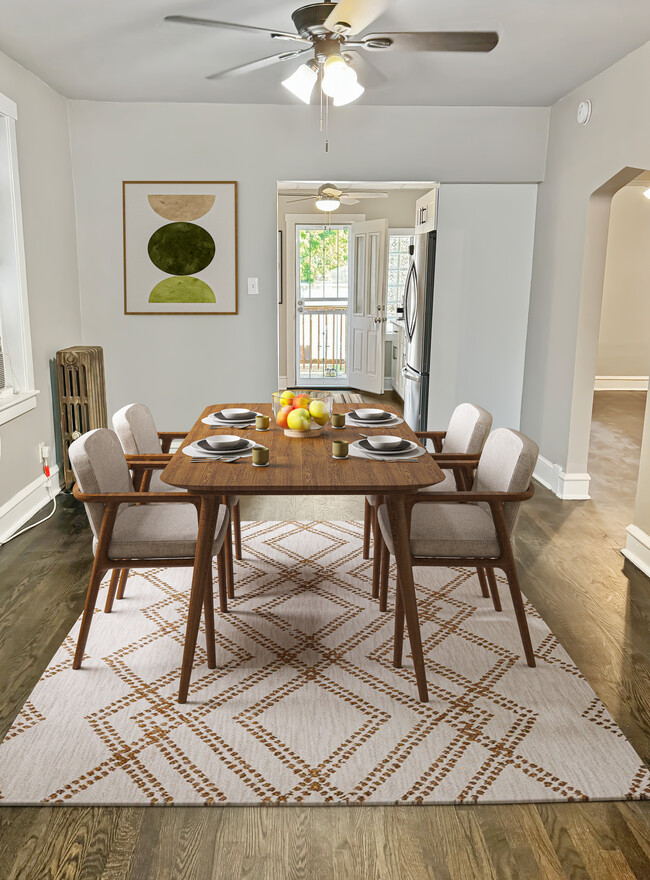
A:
(82, 396)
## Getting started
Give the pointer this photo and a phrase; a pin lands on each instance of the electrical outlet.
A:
(253, 286)
(43, 451)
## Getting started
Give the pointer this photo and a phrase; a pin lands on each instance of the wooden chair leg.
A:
(208, 613)
(376, 549)
(483, 582)
(223, 584)
(398, 642)
(494, 589)
(236, 525)
(122, 584)
(112, 587)
(520, 612)
(385, 567)
(96, 576)
(367, 514)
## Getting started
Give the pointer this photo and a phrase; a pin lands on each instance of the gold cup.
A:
(261, 423)
(260, 456)
(340, 448)
(338, 420)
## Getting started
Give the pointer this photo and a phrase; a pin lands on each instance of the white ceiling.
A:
(122, 50)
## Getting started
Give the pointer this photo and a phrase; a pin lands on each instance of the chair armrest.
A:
(166, 438)
(489, 497)
(436, 436)
(116, 498)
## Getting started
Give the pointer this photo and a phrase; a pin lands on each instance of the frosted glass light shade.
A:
(337, 77)
(646, 193)
(348, 94)
(301, 83)
(326, 204)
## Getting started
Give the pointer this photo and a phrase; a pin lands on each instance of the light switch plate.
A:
(253, 286)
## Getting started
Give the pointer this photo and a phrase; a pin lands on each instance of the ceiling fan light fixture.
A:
(349, 94)
(338, 77)
(646, 193)
(302, 81)
(327, 203)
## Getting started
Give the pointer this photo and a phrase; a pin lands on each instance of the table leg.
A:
(401, 538)
(202, 571)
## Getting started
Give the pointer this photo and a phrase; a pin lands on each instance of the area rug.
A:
(347, 397)
(305, 705)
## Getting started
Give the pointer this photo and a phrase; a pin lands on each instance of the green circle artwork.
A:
(182, 289)
(181, 248)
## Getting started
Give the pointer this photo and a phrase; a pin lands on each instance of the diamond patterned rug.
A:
(305, 706)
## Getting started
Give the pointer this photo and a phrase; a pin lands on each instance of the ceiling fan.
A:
(326, 30)
(330, 198)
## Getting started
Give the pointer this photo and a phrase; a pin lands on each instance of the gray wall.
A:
(624, 340)
(50, 251)
(563, 323)
(178, 364)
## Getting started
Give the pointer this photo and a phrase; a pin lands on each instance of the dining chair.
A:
(463, 440)
(138, 434)
(134, 529)
(473, 528)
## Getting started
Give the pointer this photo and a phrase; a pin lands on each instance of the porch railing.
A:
(322, 342)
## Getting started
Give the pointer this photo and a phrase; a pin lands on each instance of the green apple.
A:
(318, 411)
(299, 420)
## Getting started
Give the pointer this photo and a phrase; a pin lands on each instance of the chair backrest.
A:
(99, 466)
(468, 429)
(506, 465)
(136, 429)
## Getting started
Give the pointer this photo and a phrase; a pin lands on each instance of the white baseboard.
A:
(621, 383)
(388, 383)
(568, 487)
(637, 548)
(22, 507)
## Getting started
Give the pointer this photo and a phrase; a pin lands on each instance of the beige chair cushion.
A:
(446, 530)
(136, 429)
(468, 429)
(160, 531)
(98, 463)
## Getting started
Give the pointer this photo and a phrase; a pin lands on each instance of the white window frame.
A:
(395, 231)
(14, 306)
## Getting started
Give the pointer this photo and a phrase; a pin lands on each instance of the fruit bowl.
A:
(302, 413)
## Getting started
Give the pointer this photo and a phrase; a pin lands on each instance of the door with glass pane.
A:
(368, 306)
(322, 305)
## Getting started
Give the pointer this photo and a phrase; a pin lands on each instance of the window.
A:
(399, 260)
(17, 394)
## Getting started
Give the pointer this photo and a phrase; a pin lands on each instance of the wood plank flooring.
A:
(571, 568)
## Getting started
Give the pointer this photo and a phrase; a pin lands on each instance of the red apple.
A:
(283, 415)
(302, 401)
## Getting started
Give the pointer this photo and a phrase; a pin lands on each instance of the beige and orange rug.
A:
(305, 706)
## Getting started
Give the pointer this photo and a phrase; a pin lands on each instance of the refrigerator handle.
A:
(410, 374)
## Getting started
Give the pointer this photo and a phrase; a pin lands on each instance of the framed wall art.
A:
(180, 247)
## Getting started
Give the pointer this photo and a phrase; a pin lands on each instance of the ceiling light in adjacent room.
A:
(646, 193)
(328, 203)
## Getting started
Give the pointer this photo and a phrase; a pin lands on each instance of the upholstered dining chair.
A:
(472, 528)
(137, 529)
(138, 434)
(463, 441)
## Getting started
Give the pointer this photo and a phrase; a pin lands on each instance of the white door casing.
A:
(367, 312)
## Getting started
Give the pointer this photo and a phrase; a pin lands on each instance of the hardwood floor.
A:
(572, 570)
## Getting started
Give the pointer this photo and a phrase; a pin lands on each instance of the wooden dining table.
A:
(299, 466)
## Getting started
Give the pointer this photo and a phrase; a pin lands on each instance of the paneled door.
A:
(367, 311)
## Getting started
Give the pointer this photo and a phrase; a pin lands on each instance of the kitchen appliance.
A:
(418, 318)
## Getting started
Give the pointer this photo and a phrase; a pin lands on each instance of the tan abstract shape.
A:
(181, 208)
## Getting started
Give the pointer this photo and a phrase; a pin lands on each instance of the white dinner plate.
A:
(196, 449)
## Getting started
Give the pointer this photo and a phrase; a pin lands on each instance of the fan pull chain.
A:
(327, 123)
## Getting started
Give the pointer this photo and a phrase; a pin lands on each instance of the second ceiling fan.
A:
(326, 31)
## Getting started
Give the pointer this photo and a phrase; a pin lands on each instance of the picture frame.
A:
(180, 247)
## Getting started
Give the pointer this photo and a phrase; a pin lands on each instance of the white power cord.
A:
(50, 492)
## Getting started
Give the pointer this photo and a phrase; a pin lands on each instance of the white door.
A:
(367, 311)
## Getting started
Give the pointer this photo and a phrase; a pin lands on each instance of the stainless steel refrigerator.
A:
(418, 318)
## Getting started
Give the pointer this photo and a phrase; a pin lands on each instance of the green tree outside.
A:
(321, 251)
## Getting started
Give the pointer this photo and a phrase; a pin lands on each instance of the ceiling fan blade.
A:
(431, 41)
(370, 76)
(353, 16)
(304, 199)
(366, 195)
(227, 25)
(257, 65)
(346, 200)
